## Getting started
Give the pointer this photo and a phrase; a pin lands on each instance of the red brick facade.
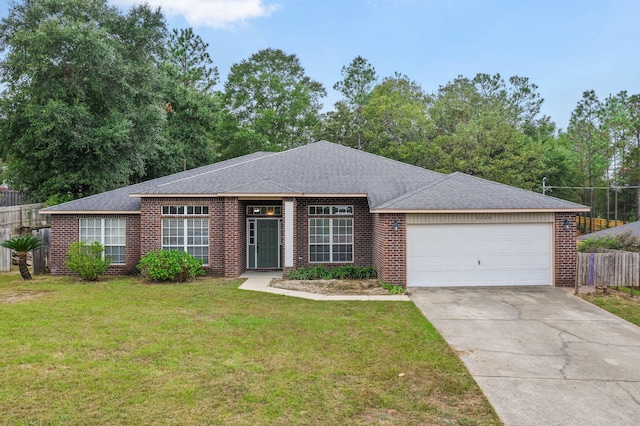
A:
(390, 248)
(362, 230)
(375, 240)
(565, 254)
(65, 229)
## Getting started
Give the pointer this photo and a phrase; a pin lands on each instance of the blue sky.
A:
(565, 47)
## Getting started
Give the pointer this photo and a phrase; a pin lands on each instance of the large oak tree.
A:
(82, 109)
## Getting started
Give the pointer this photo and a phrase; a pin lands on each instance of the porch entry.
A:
(263, 243)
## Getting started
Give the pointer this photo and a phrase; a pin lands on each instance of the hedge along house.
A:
(326, 204)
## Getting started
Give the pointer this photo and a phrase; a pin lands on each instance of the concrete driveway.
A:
(541, 355)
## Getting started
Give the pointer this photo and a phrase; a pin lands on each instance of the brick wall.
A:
(65, 229)
(565, 250)
(362, 230)
(151, 227)
(234, 230)
(389, 247)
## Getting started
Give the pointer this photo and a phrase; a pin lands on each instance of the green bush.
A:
(392, 288)
(625, 241)
(321, 272)
(169, 265)
(367, 272)
(86, 260)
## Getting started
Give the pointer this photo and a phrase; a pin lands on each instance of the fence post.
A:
(5, 253)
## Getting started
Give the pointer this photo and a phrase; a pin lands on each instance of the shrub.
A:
(169, 265)
(625, 241)
(392, 288)
(367, 272)
(321, 272)
(86, 260)
(345, 272)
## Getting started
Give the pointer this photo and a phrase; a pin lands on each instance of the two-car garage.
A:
(445, 250)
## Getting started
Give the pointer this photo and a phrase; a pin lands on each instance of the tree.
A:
(590, 143)
(631, 162)
(480, 127)
(23, 245)
(82, 111)
(194, 67)
(270, 96)
(396, 117)
(358, 80)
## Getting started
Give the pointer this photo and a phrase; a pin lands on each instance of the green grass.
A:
(619, 303)
(125, 352)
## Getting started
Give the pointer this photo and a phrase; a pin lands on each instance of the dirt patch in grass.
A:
(333, 287)
(19, 296)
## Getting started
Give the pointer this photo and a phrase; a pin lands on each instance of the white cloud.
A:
(209, 13)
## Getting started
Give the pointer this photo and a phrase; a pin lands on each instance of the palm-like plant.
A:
(22, 245)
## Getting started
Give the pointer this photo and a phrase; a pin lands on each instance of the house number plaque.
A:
(483, 218)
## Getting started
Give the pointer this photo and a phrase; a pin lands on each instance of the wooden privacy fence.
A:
(41, 256)
(598, 224)
(610, 269)
(5, 253)
(24, 216)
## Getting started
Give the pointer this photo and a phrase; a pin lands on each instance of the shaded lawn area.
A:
(125, 352)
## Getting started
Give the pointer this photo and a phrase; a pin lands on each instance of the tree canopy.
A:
(94, 98)
(271, 98)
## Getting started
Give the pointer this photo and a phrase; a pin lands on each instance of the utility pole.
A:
(544, 185)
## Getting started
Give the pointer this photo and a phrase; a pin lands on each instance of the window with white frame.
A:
(110, 232)
(186, 234)
(331, 238)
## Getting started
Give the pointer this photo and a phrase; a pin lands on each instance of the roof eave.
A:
(89, 212)
(564, 210)
(250, 195)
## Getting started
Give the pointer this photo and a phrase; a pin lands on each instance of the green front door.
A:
(267, 243)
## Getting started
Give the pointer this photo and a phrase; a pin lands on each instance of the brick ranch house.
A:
(327, 204)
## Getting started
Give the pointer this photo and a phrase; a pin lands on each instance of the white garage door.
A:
(493, 254)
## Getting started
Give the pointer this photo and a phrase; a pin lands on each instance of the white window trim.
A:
(331, 244)
(185, 235)
(102, 235)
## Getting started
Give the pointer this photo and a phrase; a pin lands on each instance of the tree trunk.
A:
(22, 265)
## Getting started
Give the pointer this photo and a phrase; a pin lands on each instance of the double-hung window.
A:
(331, 236)
(110, 232)
(189, 232)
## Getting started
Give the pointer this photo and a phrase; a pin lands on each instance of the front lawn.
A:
(124, 352)
(618, 302)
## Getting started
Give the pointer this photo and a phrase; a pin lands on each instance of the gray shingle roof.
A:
(633, 227)
(459, 191)
(326, 168)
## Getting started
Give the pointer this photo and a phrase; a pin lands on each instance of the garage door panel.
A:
(445, 255)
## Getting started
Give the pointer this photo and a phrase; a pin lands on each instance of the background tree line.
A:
(94, 99)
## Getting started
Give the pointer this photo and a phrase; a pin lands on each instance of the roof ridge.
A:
(406, 195)
(370, 154)
(221, 169)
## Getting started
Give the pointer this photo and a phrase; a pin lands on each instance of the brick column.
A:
(565, 250)
(232, 229)
(389, 248)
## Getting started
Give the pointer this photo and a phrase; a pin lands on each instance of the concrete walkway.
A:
(541, 355)
(259, 281)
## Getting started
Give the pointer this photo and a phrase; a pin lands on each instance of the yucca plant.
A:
(22, 245)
